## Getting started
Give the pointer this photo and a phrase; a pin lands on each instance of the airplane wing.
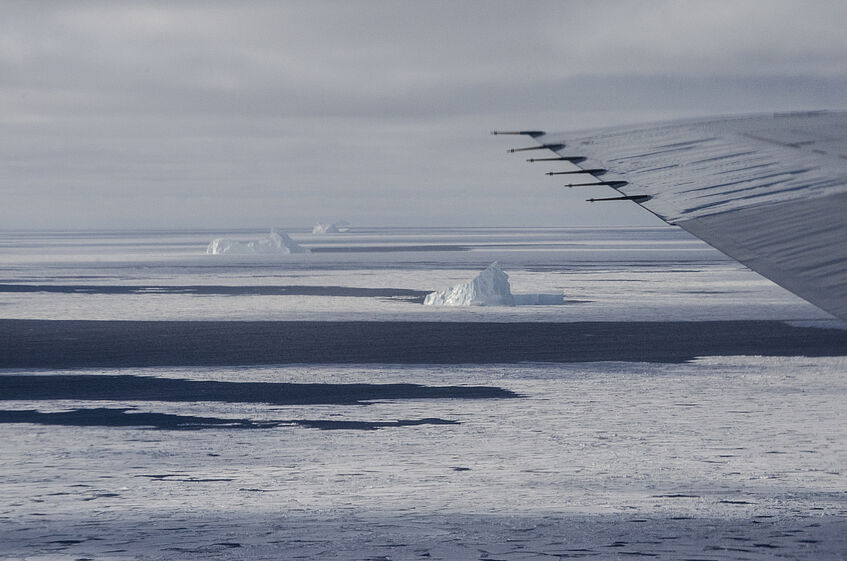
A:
(769, 190)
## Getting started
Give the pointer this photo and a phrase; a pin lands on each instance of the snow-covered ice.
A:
(719, 457)
(538, 299)
(490, 288)
(274, 243)
(606, 274)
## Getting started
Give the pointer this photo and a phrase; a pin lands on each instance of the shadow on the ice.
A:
(151, 533)
(387, 248)
(147, 388)
(219, 290)
(122, 417)
(90, 344)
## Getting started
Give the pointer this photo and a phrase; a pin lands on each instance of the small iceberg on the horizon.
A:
(489, 288)
(334, 228)
(275, 243)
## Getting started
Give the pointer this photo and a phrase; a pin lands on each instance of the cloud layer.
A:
(221, 114)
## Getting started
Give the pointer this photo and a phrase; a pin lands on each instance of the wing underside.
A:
(769, 191)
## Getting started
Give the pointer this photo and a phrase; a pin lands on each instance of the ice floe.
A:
(489, 288)
(274, 243)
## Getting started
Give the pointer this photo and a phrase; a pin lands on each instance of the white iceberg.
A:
(275, 243)
(489, 288)
(335, 228)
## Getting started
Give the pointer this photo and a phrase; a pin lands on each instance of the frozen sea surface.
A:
(726, 457)
(625, 274)
(679, 407)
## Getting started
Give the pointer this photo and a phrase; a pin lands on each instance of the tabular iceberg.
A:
(489, 288)
(274, 243)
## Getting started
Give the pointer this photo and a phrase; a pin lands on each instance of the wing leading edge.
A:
(769, 191)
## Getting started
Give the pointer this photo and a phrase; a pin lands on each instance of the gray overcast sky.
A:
(253, 114)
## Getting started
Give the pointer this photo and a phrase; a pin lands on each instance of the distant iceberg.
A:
(335, 228)
(489, 288)
(275, 243)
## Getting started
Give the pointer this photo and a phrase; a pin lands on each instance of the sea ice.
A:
(489, 288)
(538, 299)
(335, 228)
(274, 242)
